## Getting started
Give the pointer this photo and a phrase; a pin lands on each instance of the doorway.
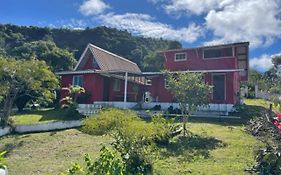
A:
(219, 87)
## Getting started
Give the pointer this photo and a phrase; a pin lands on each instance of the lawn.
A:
(235, 151)
(39, 116)
(49, 152)
(216, 148)
(53, 152)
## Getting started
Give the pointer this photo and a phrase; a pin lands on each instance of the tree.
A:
(24, 77)
(190, 91)
(59, 59)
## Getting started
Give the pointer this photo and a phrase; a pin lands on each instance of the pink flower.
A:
(279, 126)
(275, 122)
(278, 115)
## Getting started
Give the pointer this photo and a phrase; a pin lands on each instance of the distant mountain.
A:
(57, 46)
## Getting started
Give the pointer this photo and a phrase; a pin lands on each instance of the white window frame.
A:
(176, 60)
(77, 77)
(166, 84)
(116, 85)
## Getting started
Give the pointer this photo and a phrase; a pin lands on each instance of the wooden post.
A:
(270, 111)
(125, 90)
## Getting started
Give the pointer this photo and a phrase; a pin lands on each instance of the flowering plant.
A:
(277, 120)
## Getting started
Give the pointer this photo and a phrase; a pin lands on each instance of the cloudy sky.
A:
(192, 22)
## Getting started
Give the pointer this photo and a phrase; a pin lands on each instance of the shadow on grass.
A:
(191, 147)
(51, 114)
(9, 147)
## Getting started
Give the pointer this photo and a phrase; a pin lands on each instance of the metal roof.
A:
(107, 61)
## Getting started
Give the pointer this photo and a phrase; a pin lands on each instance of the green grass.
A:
(261, 103)
(48, 153)
(234, 152)
(229, 150)
(39, 116)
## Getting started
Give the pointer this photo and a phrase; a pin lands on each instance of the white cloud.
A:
(143, 24)
(93, 7)
(190, 6)
(252, 20)
(262, 63)
(257, 21)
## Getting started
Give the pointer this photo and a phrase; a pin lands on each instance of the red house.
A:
(113, 80)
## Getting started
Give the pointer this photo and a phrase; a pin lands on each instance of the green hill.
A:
(61, 47)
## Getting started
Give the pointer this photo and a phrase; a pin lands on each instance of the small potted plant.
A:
(3, 167)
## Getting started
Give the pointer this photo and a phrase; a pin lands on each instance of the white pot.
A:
(4, 171)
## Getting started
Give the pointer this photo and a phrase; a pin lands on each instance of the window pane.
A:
(180, 56)
(216, 53)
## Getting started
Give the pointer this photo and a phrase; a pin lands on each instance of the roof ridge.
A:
(92, 45)
(206, 46)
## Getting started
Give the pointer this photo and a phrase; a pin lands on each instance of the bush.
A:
(108, 120)
(108, 162)
(2, 160)
(134, 138)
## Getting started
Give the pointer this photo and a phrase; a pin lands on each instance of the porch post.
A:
(125, 90)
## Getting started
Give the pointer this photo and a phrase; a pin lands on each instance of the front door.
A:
(219, 87)
(106, 87)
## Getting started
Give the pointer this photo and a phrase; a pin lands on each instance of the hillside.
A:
(57, 46)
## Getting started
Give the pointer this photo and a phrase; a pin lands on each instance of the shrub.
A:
(108, 162)
(108, 120)
(134, 139)
(2, 160)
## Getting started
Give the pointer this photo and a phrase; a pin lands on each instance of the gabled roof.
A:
(107, 61)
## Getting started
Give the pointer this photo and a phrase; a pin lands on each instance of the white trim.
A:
(185, 54)
(213, 58)
(193, 71)
(125, 90)
(75, 77)
(212, 79)
(81, 57)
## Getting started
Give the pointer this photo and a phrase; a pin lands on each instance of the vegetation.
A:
(217, 149)
(133, 137)
(190, 91)
(42, 116)
(24, 77)
(57, 46)
(2, 160)
(49, 152)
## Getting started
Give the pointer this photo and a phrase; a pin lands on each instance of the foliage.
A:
(108, 162)
(2, 160)
(58, 59)
(24, 77)
(267, 128)
(59, 44)
(108, 120)
(69, 103)
(134, 138)
(190, 91)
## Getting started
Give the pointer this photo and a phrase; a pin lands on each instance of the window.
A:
(77, 80)
(166, 83)
(116, 85)
(180, 56)
(218, 52)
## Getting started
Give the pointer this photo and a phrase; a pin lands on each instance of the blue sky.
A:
(192, 22)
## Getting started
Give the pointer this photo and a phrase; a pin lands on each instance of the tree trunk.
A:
(8, 104)
(184, 118)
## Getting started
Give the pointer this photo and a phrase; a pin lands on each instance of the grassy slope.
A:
(39, 116)
(233, 158)
(53, 152)
(48, 153)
